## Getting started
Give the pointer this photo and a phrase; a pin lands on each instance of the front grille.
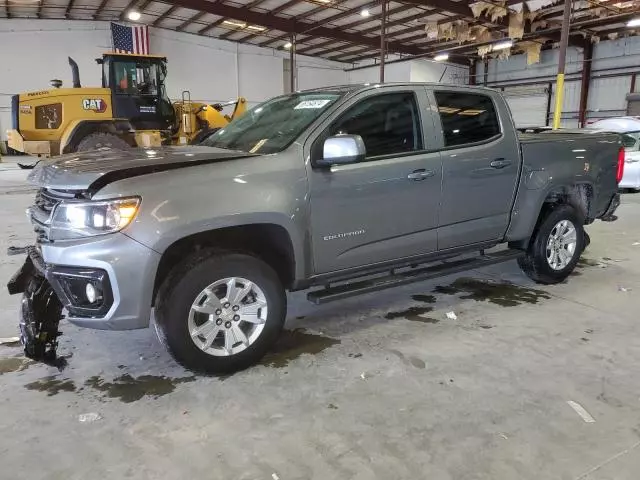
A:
(41, 212)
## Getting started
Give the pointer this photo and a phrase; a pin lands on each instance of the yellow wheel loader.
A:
(130, 109)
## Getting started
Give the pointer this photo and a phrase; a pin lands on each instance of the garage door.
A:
(528, 105)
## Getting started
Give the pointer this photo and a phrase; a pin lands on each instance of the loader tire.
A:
(101, 140)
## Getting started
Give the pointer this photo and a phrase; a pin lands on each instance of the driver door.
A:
(386, 207)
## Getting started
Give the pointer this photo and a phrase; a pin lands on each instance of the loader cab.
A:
(138, 93)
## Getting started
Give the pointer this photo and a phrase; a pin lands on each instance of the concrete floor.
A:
(382, 386)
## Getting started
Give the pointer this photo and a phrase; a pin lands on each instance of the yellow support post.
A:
(562, 57)
(557, 110)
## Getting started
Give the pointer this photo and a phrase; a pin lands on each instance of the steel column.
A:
(292, 62)
(549, 94)
(472, 71)
(585, 82)
(486, 71)
(383, 28)
(564, 42)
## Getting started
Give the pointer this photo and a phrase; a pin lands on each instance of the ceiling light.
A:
(441, 57)
(235, 24)
(365, 12)
(502, 45)
(133, 15)
(634, 23)
(256, 28)
(287, 45)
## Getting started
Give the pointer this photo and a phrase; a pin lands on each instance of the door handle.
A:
(500, 163)
(420, 174)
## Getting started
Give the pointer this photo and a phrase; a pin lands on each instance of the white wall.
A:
(35, 51)
(393, 72)
(420, 70)
(614, 62)
(429, 71)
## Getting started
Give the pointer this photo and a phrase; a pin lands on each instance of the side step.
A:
(339, 292)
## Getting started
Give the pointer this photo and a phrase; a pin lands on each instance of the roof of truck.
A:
(364, 86)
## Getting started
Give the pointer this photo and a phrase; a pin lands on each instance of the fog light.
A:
(91, 293)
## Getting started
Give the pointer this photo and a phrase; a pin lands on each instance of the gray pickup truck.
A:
(342, 191)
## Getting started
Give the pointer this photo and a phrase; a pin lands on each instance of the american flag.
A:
(130, 39)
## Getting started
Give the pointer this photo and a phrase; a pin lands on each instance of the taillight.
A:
(620, 170)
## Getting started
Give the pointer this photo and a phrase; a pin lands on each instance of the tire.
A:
(184, 290)
(536, 264)
(101, 140)
(202, 135)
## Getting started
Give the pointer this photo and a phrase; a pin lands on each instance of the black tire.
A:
(202, 135)
(101, 140)
(535, 264)
(187, 281)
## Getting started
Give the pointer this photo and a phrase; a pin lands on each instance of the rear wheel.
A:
(555, 247)
(220, 313)
(101, 140)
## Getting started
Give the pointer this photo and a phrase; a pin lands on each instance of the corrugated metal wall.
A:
(614, 64)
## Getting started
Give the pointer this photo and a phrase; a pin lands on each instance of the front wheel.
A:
(219, 313)
(555, 247)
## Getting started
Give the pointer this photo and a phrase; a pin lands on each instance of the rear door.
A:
(385, 207)
(480, 166)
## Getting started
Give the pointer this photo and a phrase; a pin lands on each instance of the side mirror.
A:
(342, 149)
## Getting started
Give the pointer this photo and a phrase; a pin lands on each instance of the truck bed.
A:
(553, 159)
(558, 135)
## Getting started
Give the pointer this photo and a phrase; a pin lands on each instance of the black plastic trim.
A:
(57, 276)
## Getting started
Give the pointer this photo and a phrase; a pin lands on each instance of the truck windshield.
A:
(273, 125)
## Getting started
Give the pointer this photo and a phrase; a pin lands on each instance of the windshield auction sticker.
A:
(311, 104)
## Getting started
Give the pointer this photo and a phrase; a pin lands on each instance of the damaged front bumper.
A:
(40, 309)
(84, 292)
(104, 282)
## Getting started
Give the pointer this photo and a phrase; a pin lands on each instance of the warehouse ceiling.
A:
(349, 30)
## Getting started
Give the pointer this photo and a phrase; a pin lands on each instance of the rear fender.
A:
(530, 203)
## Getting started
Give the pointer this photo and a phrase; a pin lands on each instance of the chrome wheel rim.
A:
(228, 316)
(561, 245)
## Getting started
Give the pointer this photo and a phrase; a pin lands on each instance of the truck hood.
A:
(93, 170)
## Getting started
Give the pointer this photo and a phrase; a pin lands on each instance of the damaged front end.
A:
(41, 309)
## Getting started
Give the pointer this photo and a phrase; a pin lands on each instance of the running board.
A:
(339, 292)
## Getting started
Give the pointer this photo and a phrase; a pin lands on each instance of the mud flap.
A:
(40, 312)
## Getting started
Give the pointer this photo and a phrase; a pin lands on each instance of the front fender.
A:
(187, 201)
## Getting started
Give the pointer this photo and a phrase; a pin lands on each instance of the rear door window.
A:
(466, 118)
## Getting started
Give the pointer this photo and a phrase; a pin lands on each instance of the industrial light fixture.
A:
(365, 12)
(234, 24)
(287, 45)
(502, 45)
(133, 15)
(441, 57)
(634, 22)
(256, 28)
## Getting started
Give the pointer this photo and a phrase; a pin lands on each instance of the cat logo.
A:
(96, 104)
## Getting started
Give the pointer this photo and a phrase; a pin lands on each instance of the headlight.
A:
(87, 219)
